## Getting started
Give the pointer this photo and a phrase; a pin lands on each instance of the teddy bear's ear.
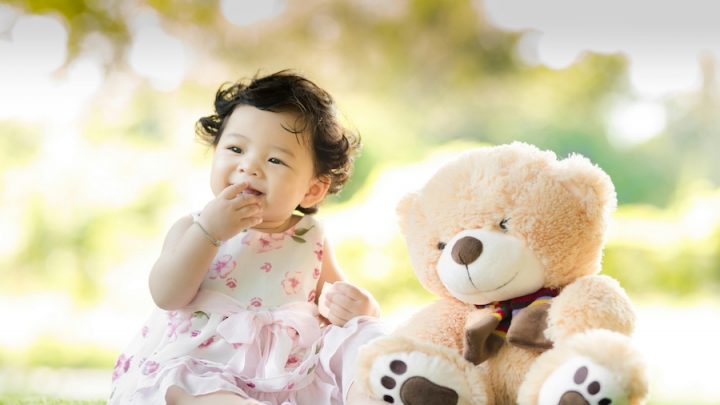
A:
(590, 184)
(404, 208)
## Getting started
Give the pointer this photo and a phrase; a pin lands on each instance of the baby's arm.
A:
(187, 251)
(343, 300)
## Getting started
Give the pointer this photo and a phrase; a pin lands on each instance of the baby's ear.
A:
(589, 184)
(404, 209)
(316, 192)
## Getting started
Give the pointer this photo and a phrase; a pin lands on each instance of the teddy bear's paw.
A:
(416, 378)
(581, 381)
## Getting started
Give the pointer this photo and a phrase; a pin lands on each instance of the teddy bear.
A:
(510, 239)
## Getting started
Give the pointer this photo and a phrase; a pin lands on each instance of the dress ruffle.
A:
(279, 356)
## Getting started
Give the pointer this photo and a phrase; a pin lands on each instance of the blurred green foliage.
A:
(48, 351)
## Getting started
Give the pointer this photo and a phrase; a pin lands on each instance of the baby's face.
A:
(255, 147)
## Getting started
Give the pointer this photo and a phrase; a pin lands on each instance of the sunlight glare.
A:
(557, 51)
(247, 12)
(655, 76)
(36, 49)
(374, 219)
(631, 123)
(8, 15)
(40, 44)
(702, 217)
(157, 55)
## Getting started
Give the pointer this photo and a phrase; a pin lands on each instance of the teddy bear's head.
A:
(505, 221)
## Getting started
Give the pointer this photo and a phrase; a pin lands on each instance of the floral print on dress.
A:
(256, 302)
(311, 296)
(318, 251)
(231, 283)
(207, 342)
(178, 323)
(291, 282)
(266, 267)
(150, 367)
(221, 267)
(266, 242)
(121, 366)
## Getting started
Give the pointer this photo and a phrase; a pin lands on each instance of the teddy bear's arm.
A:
(528, 327)
(481, 340)
(590, 302)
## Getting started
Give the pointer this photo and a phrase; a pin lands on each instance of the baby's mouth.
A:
(252, 191)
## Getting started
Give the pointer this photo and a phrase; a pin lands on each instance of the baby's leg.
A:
(177, 396)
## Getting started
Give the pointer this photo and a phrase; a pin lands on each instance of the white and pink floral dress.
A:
(253, 329)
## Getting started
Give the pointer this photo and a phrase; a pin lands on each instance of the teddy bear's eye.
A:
(503, 224)
(441, 245)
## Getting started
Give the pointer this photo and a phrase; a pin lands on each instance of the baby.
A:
(237, 284)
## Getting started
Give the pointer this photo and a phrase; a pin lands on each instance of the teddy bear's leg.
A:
(401, 370)
(597, 367)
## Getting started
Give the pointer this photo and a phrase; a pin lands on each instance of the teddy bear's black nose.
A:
(466, 250)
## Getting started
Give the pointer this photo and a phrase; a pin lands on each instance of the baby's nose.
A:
(248, 167)
(467, 250)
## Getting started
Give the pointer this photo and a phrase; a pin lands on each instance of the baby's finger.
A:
(233, 190)
(249, 222)
(338, 315)
(248, 210)
(349, 290)
(342, 301)
(335, 320)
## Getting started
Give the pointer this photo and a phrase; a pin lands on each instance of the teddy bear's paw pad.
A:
(415, 378)
(581, 381)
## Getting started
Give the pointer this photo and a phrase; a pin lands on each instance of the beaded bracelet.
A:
(216, 242)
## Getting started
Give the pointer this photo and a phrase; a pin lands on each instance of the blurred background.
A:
(98, 100)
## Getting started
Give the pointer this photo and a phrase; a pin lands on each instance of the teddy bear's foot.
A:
(581, 381)
(598, 367)
(422, 374)
(407, 378)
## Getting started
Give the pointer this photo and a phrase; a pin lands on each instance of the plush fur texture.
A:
(518, 201)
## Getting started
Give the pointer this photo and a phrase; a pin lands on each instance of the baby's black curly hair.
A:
(334, 147)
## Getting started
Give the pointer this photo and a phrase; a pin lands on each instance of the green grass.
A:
(21, 399)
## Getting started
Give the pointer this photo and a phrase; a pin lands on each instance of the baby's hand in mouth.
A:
(249, 190)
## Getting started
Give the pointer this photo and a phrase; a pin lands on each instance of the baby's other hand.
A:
(342, 301)
(231, 212)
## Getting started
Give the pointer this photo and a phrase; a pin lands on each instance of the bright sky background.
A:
(663, 41)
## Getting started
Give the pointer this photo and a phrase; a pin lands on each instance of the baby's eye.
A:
(235, 149)
(504, 224)
(441, 245)
(275, 161)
